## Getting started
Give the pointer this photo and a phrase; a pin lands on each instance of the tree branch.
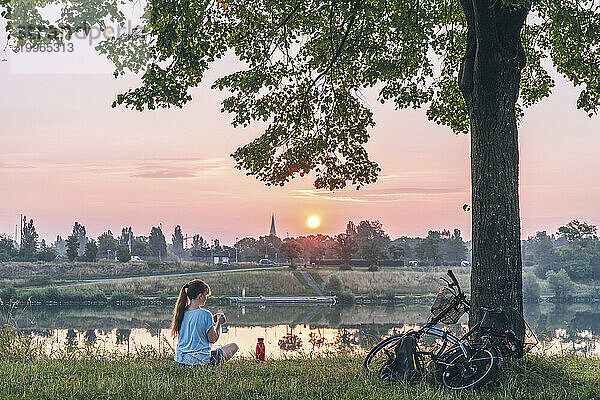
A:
(336, 55)
(465, 73)
(289, 16)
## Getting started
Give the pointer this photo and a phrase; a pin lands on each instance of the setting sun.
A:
(313, 221)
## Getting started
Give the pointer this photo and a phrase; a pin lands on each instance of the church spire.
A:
(273, 231)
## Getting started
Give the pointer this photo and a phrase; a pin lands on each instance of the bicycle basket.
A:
(442, 302)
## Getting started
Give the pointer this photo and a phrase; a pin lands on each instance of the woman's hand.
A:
(219, 318)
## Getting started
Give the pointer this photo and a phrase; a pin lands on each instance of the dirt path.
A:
(107, 280)
(311, 282)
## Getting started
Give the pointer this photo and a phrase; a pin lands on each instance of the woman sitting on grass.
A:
(197, 328)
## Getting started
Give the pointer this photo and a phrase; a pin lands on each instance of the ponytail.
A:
(189, 291)
(178, 311)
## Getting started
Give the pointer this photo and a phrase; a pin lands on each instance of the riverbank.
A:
(60, 272)
(359, 285)
(388, 285)
(338, 377)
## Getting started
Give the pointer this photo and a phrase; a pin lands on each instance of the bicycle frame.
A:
(460, 298)
(479, 351)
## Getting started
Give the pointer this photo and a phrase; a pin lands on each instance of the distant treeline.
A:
(575, 248)
(362, 244)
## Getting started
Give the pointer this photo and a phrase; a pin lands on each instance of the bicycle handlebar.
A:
(454, 281)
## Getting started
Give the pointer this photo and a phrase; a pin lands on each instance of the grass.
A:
(22, 275)
(309, 289)
(291, 283)
(376, 286)
(32, 274)
(337, 377)
(404, 282)
(256, 283)
(317, 278)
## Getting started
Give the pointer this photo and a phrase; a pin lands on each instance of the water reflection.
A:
(316, 340)
(561, 328)
(290, 342)
(71, 338)
(90, 337)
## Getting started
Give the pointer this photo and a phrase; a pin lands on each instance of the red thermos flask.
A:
(260, 349)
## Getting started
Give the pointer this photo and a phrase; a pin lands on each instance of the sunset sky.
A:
(67, 156)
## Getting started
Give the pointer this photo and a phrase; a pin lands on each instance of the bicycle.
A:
(465, 362)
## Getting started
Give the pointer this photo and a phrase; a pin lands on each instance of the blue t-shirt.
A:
(193, 347)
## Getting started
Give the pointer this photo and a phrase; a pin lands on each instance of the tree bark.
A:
(489, 80)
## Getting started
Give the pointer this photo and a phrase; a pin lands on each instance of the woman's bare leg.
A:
(229, 350)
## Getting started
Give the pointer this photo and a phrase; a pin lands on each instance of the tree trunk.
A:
(489, 80)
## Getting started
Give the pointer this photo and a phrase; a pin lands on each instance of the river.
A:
(288, 331)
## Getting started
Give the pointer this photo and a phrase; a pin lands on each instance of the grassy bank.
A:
(403, 281)
(317, 378)
(256, 283)
(383, 285)
(32, 274)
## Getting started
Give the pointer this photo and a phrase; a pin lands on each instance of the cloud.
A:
(150, 171)
(11, 165)
(147, 168)
(181, 168)
(371, 195)
(414, 190)
(324, 195)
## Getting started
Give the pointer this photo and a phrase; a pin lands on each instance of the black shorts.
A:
(216, 357)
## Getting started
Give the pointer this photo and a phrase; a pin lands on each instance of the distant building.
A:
(273, 231)
(221, 259)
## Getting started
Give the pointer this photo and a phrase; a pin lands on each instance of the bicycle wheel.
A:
(455, 371)
(379, 354)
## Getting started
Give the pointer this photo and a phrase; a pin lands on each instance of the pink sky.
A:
(66, 156)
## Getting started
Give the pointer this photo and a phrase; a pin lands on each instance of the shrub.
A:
(123, 254)
(74, 296)
(579, 269)
(7, 293)
(390, 294)
(373, 268)
(334, 284)
(531, 287)
(595, 264)
(372, 295)
(46, 254)
(346, 297)
(91, 251)
(39, 280)
(541, 270)
(154, 263)
(594, 293)
(560, 284)
(118, 296)
(72, 245)
(44, 295)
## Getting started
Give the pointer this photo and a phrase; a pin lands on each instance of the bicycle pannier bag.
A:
(403, 363)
